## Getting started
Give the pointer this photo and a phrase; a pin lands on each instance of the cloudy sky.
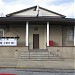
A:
(64, 7)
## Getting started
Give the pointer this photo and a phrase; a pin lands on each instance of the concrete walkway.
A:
(59, 64)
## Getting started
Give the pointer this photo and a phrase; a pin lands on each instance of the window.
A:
(1, 32)
(70, 33)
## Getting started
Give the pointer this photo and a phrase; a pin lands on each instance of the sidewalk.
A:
(61, 64)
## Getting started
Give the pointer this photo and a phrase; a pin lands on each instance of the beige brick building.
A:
(37, 37)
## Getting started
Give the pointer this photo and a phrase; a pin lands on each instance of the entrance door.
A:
(35, 41)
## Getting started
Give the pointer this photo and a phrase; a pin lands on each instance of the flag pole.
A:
(37, 10)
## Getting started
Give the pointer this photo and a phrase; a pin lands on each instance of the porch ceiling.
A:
(36, 20)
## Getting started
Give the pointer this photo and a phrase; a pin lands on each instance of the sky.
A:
(64, 7)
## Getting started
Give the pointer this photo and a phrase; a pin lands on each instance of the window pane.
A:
(1, 33)
(70, 38)
(68, 35)
(70, 32)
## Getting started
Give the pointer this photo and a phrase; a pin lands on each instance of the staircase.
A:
(38, 54)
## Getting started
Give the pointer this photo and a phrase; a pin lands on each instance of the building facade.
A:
(36, 34)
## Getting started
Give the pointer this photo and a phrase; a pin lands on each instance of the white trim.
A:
(26, 33)
(47, 33)
(74, 35)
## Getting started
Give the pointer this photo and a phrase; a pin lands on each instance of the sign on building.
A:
(8, 42)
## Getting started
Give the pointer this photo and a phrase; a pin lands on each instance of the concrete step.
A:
(44, 55)
(40, 59)
(38, 50)
(37, 55)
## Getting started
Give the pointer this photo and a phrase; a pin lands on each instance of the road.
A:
(36, 71)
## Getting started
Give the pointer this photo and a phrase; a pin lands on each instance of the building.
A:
(35, 34)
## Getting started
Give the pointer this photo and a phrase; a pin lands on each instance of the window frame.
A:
(70, 35)
(2, 32)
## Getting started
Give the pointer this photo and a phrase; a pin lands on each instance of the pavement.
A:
(55, 64)
(35, 71)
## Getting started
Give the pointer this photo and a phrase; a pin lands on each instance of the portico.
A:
(43, 33)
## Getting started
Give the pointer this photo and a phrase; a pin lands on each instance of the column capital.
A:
(47, 22)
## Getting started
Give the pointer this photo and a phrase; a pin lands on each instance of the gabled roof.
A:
(9, 15)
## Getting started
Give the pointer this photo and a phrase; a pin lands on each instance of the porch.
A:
(60, 31)
(37, 36)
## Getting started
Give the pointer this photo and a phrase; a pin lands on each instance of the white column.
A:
(74, 35)
(26, 33)
(47, 33)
